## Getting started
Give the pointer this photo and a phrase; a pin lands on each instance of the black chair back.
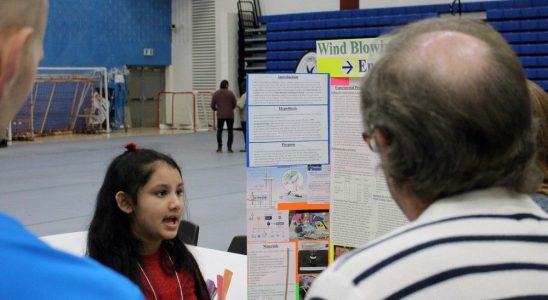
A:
(188, 232)
(238, 245)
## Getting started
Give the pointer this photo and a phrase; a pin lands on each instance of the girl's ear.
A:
(124, 203)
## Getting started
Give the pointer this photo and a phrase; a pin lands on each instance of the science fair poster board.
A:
(288, 186)
(361, 206)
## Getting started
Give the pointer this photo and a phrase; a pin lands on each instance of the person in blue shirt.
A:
(29, 268)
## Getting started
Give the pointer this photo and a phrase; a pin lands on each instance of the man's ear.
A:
(382, 138)
(11, 53)
(124, 202)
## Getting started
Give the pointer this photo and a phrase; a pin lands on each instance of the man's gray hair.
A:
(446, 137)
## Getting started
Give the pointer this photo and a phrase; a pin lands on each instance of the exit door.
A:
(143, 84)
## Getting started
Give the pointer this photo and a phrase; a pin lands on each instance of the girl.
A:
(134, 228)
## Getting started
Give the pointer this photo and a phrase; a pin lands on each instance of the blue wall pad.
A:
(110, 33)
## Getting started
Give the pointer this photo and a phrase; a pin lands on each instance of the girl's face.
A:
(159, 207)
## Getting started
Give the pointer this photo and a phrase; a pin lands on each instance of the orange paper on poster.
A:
(302, 206)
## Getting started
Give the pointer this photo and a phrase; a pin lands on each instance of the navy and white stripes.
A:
(486, 244)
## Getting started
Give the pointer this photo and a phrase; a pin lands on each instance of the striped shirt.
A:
(487, 244)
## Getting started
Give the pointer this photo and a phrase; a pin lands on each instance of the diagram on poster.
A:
(293, 181)
(269, 186)
(267, 225)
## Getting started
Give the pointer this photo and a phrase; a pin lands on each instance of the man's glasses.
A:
(370, 140)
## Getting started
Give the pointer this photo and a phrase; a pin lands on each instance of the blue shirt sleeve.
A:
(31, 269)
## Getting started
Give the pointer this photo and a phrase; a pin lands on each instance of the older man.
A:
(448, 112)
(30, 269)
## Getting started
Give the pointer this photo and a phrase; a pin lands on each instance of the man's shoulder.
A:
(12, 230)
(222, 93)
(229, 93)
(453, 230)
(25, 258)
(409, 259)
(354, 262)
(344, 274)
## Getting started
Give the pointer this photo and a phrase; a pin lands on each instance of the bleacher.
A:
(526, 29)
(524, 23)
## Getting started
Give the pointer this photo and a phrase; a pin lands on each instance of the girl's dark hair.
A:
(110, 240)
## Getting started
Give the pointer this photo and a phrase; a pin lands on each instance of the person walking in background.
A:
(29, 268)
(448, 112)
(134, 227)
(223, 102)
(539, 99)
(243, 115)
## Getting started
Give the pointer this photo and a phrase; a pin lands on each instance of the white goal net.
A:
(185, 110)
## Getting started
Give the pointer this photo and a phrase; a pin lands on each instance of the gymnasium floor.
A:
(50, 184)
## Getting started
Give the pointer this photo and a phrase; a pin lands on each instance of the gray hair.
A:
(455, 134)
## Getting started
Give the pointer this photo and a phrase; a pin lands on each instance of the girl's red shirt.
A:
(165, 285)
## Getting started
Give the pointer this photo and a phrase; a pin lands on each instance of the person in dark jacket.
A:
(224, 102)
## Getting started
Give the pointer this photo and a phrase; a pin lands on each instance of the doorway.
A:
(143, 84)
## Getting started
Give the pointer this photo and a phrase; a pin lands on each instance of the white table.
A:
(212, 262)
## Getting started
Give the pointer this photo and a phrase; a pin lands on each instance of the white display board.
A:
(287, 182)
(361, 206)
